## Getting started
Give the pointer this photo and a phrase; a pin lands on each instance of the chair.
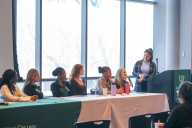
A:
(187, 125)
(93, 124)
(161, 116)
(144, 121)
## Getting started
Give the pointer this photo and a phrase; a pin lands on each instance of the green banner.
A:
(179, 77)
(44, 113)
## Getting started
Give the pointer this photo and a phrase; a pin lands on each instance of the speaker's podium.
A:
(168, 82)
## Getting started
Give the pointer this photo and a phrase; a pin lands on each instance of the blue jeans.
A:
(137, 88)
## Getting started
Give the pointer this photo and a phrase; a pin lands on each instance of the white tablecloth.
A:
(120, 107)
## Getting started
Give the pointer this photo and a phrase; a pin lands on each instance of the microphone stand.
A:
(157, 66)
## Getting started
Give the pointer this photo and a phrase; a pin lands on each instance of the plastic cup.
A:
(158, 125)
(104, 91)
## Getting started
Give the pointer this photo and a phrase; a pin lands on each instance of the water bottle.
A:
(113, 89)
(127, 88)
(1, 97)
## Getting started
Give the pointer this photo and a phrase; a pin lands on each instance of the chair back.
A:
(144, 121)
(161, 116)
(93, 124)
(187, 127)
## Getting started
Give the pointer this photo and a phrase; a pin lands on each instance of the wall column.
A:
(172, 34)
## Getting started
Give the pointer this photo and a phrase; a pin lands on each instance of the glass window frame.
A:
(38, 34)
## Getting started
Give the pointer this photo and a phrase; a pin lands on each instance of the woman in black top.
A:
(30, 88)
(60, 87)
(77, 84)
(120, 80)
(181, 116)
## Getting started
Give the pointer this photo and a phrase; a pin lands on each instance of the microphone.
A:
(130, 81)
(157, 66)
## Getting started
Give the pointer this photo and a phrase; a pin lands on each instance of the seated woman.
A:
(10, 90)
(30, 88)
(181, 116)
(120, 80)
(104, 81)
(77, 84)
(60, 88)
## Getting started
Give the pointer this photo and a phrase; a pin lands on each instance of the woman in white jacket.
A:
(10, 90)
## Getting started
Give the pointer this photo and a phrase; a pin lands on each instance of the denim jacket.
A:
(137, 70)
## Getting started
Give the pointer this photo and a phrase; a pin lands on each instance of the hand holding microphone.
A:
(130, 82)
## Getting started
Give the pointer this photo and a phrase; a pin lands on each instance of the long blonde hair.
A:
(118, 78)
(32, 72)
(75, 71)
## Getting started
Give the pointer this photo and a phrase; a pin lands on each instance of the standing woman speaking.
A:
(143, 69)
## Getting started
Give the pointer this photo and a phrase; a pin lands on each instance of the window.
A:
(139, 32)
(103, 36)
(91, 83)
(62, 32)
(46, 88)
(61, 35)
(25, 31)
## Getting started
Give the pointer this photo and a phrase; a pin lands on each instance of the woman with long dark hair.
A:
(143, 69)
(10, 90)
(181, 116)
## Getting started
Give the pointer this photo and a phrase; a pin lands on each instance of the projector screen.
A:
(6, 38)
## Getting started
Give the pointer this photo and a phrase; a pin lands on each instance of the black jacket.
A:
(180, 117)
(124, 83)
(30, 90)
(55, 88)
